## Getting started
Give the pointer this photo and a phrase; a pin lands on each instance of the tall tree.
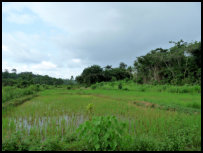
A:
(122, 65)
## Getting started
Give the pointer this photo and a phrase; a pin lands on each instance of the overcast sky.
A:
(61, 39)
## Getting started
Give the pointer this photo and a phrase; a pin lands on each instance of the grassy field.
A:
(157, 117)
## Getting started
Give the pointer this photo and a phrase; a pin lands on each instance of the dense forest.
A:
(25, 79)
(178, 65)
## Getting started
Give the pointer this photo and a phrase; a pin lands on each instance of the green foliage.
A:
(177, 65)
(95, 74)
(178, 140)
(9, 93)
(51, 144)
(25, 79)
(104, 133)
(16, 143)
(93, 86)
(126, 89)
(90, 110)
(69, 87)
(91, 75)
(146, 143)
(113, 79)
(194, 105)
(101, 84)
(142, 89)
(120, 86)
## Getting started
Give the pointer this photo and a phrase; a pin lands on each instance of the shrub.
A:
(139, 80)
(164, 87)
(120, 86)
(142, 89)
(68, 87)
(45, 86)
(126, 80)
(104, 133)
(94, 86)
(101, 84)
(113, 79)
(86, 86)
(197, 89)
(194, 105)
(112, 84)
(126, 89)
(34, 87)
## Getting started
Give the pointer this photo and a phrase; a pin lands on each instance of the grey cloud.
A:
(108, 33)
(138, 27)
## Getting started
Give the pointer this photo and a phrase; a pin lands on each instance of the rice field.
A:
(156, 119)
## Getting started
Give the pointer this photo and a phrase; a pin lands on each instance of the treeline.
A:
(25, 79)
(95, 74)
(178, 65)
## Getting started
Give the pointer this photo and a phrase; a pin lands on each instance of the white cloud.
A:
(44, 65)
(4, 48)
(94, 33)
(75, 60)
(23, 48)
(16, 13)
(21, 18)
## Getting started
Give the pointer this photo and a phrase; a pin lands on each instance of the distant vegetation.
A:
(178, 65)
(25, 85)
(26, 79)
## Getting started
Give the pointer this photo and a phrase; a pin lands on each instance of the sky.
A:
(61, 39)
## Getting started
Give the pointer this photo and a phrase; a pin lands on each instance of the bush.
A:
(113, 79)
(142, 89)
(45, 86)
(68, 87)
(126, 89)
(94, 86)
(101, 84)
(120, 86)
(139, 80)
(104, 133)
(112, 84)
(86, 86)
(194, 105)
(126, 80)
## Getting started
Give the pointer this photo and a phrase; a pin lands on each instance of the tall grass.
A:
(130, 85)
(12, 92)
